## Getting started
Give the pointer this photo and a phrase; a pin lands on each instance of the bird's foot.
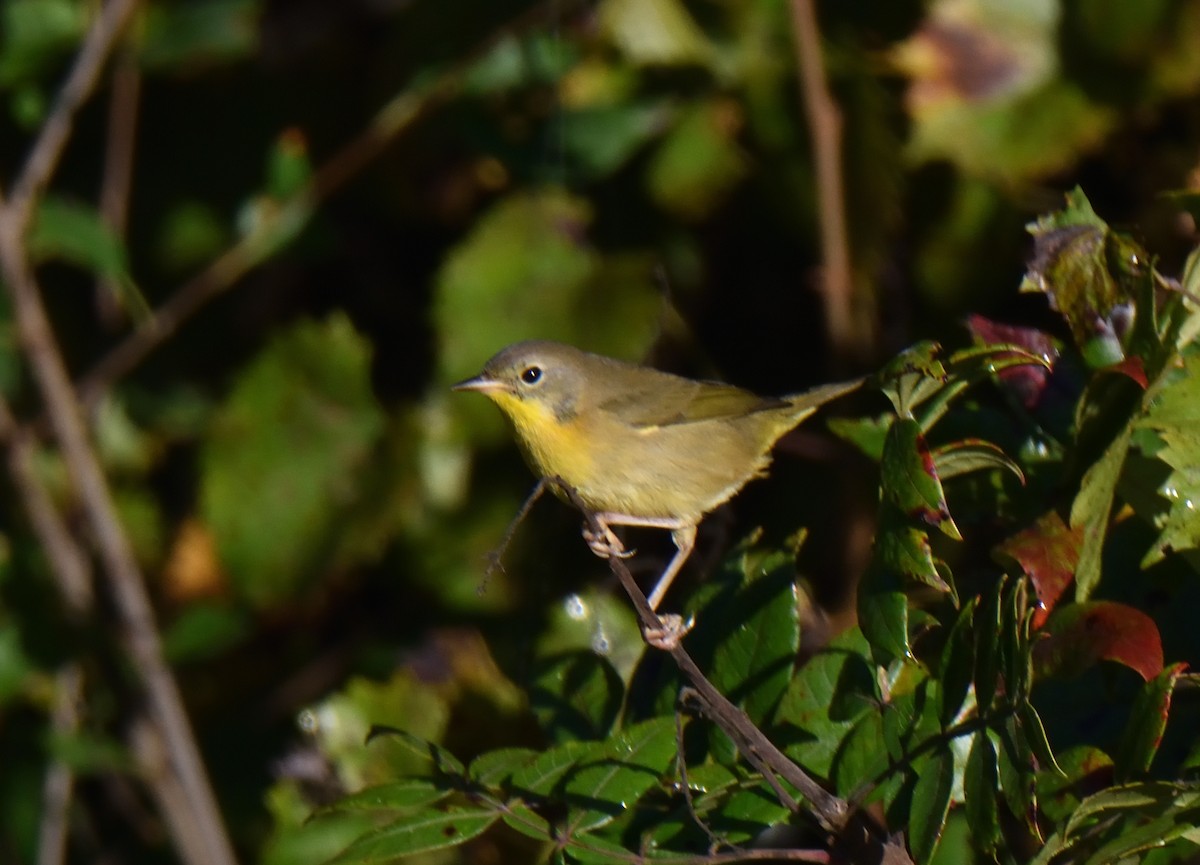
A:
(672, 628)
(606, 544)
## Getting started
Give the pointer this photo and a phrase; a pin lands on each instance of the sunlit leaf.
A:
(1090, 511)
(654, 32)
(824, 699)
(1048, 553)
(1076, 636)
(910, 479)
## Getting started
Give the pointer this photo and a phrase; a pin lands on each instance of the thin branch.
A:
(59, 784)
(852, 829)
(398, 115)
(52, 139)
(118, 169)
(825, 129)
(68, 564)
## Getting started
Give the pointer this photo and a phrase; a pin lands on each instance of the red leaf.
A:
(1047, 552)
(1079, 635)
(1028, 382)
(1131, 367)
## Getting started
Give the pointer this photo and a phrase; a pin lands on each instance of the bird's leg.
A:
(607, 544)
(674, 628)
(685, 540)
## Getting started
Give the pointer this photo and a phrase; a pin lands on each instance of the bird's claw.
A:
(672, 628)
(605, 544)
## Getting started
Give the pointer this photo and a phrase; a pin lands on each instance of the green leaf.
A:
(632, 763)
(73, 232)
(930, 803)
(981, 781)
(699, 162)
(1090, 511)
(183, 34)
(912, 377)
(278, 467)
(742, 813)
(543, 775)
(904, 550)
(957, 664)
(417, 833)
(605, 137)
(654, 32)
(758, 633)
(1147, 721)
(1084, 769)
(860, 760)
(824, 699)
(987, 652)
(972, 455)
(396, 796)
(883, 617)
(36, 34)
(910, 480)
(576, 695)
(1016, 774)
(493, 768)
(1035, 734)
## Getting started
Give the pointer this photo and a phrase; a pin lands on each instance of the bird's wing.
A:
(697, 401)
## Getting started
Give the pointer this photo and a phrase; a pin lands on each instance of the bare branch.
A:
(81, 81)
(118, 169)
(59, 785)
(825, 130)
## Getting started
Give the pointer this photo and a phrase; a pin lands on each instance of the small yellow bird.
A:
(640, 447)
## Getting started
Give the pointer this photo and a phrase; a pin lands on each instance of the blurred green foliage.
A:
(314, 511)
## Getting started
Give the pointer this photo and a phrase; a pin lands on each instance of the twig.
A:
(398, 115)
(118, 169)
(495, 558)
(68, 565)
(852, 829)
(825, 130)
(60, 779)
(52, 138)
(72, 575)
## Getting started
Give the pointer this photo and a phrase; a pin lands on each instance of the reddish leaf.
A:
(1079, 635)
(1131, 367)
(1027, 382)
(1047, 552)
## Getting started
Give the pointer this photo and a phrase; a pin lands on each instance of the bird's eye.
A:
(531, 374)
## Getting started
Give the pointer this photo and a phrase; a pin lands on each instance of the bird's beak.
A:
(480, 383)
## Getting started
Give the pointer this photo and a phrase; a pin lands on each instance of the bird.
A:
(638, 446)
